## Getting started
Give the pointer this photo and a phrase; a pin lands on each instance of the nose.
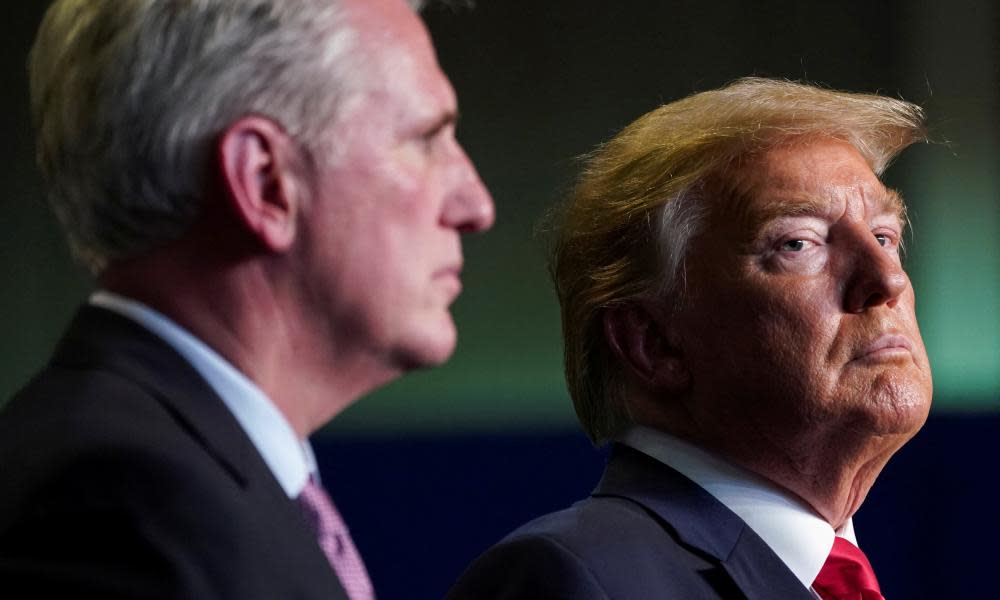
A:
(878, 277)
(469, 206)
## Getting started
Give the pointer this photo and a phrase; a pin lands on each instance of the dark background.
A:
(929, 526)
(434, 468)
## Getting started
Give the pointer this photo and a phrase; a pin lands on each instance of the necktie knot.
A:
(335, 541)
(847, 575)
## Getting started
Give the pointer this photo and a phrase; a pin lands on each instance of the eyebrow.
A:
(755, 218)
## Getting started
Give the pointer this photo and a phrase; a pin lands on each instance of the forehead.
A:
(814, 177)
(399, 68)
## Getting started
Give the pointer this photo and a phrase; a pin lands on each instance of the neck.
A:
(248, 315)
(831, 469)
(830, 474)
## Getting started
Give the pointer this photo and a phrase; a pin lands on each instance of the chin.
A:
(900, 407)
(429, 347)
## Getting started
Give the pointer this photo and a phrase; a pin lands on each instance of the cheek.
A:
(796, 325)
(793, 337)
(791, 318)
(388, 220)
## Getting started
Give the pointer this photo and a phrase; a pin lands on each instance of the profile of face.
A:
(381, 233)
(799, 325)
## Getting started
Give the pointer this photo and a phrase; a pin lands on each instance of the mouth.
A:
(889, 346)
(452, 271)
(452, 278)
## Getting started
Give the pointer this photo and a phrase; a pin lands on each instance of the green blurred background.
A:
(541, 82)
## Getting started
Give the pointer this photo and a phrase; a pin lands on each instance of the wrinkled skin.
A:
(799, 339)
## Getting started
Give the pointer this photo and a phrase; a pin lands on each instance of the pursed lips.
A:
(885, 346)
(454, 270)
(451, 275)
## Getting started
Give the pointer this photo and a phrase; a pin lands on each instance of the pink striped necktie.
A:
(335, 540)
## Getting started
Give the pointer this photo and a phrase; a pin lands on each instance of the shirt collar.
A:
(289, 458)
(800, 537)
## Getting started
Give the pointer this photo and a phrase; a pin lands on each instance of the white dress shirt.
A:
(795, 532)
(290, 459)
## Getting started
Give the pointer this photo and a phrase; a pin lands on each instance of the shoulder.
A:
(137, 502)
(87, 445)
(125, 455)
(604, 547)
(70, 422)
(529, 566)
(114, 517)
(77, 439)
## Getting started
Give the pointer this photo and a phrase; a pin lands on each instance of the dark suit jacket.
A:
(646, 533)
(124, 476)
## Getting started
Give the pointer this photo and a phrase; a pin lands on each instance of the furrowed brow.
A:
(756, 218)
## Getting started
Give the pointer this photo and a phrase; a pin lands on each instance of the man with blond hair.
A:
(271, 198)
(738, 323)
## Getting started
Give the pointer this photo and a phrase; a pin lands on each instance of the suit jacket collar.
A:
(701, 522)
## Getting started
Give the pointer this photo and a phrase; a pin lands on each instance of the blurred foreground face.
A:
(799, 318)
(382, 234)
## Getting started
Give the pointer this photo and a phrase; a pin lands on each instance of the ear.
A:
(256, 159)
(640, 336)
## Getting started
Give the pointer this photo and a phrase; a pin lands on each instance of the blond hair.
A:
(622, 234)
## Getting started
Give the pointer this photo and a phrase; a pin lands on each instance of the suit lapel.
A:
(700, 521)
(760, 574)
(100, 339)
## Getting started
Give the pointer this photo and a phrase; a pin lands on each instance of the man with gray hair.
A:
(737, 321)
(271, 198)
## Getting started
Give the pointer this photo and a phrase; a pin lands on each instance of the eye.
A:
(438, 132)
(796, 245)
(427, 139)
(887, 239)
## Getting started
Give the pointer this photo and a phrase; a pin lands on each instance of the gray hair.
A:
(624, 231)
(127, 96)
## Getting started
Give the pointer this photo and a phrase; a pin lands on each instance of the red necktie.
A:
(847, 575)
